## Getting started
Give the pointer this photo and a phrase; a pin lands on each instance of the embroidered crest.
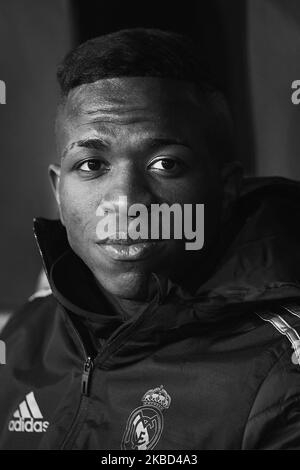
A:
(145, 424)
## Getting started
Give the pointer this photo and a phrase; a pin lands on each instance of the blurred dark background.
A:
(254, 50)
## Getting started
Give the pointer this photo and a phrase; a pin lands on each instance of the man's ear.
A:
(232, 177)
(54, 175)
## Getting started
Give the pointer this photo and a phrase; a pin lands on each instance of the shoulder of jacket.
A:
(284, 319)
(279, 381)
(32, 312)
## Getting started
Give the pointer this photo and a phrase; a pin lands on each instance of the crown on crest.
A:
(157, 397)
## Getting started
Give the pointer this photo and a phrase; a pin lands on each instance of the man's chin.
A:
(126, 285)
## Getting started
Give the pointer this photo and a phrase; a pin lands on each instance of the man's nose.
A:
(126, 187)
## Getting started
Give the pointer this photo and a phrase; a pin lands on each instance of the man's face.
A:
(142, 138)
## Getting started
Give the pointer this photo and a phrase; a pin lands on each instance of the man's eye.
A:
(91, 165)
(166, 165)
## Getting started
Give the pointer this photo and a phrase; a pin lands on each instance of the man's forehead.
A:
(129, 94)
(133, 109)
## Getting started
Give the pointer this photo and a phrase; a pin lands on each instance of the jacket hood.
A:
(261, 262)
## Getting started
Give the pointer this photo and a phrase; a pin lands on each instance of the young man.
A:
(148, 343)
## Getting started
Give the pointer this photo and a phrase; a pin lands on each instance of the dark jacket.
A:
(216, 370)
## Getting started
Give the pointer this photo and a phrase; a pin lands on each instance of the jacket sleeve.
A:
(274, 419)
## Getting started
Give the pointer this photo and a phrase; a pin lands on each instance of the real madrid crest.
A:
(145, 424)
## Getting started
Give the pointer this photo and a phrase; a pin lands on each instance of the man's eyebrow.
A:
(94, 143)
(164, 141)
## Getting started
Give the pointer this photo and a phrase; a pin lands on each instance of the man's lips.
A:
(125, 241)
(129, 250)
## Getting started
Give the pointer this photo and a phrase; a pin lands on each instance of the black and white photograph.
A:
(150, 228)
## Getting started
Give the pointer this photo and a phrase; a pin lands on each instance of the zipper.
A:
(82, 407)
(86, 376)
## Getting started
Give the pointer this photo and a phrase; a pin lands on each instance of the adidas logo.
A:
(28, 417)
